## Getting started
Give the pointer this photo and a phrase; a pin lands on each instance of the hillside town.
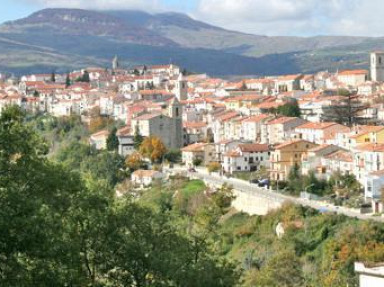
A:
(322, 124)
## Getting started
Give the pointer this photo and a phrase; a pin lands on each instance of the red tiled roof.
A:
(316, 126)
(353, 72)
(257, 118)
(281, 120)
(194, 124)
(291, 142)
(254, 147)
(196, 147)
(147, 116)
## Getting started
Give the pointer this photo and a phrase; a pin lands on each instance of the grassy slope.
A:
(319, 243)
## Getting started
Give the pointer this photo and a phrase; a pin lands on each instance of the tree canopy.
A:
(63, 227)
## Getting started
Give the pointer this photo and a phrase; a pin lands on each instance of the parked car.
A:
(192, 169)
(263, 182)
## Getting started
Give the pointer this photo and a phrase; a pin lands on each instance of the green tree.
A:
(197, 161)
(105, 165)
(290, 109)
(35, 200)
(284, 269)
(112, 140)
(223, 197)
(67, 81)
(84, 78)
(53, 77)
(294, 179)
(173, 156)
(137, 139)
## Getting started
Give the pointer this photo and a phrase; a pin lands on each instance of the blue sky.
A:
(11, 10)
(261, 17)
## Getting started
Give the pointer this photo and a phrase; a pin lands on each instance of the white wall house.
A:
(246, 158)
(145, 177)
(99, 140)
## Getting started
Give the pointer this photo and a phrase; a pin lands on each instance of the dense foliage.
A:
(64, 227)
(62, 224)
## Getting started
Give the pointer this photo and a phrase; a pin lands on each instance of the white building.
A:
(353, 78)
(99, 140)
(370, 276)
(246, 158)
(145, 177)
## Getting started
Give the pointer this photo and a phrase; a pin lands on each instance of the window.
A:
(246, 159)
(261, 158)
(239, 168)
(177, 112)
(379, 60)
(369, 186)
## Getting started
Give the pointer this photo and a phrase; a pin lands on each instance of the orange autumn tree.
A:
(153, 148)
(134, 161)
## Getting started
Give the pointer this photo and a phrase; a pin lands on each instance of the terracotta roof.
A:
(316, 126)
(194, 124)
(102, 133)
(228, 115)
(367, 129)
(353, 72)
(254, 147)
(257, 118)
(291, 142)
(340, 155)
(232, 153)
(281, 120)
(196, 147)
(319, 148)
(123, 131)
(371, 147)
(147, 116)
(269, 105)
(377, 173)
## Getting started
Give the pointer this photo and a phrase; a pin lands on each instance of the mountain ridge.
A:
(139, 37)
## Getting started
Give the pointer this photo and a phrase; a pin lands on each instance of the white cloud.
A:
(296, 17)
(262, 17)
(147, 5)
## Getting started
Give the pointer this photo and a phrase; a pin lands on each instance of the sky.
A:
(261, 17)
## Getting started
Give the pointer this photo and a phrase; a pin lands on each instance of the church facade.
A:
(167, 125)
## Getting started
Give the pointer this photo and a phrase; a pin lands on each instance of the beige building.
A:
(353, 78)
(280, 129)
(145, 177)
(99, 140)
(203, 152)
(286, 156)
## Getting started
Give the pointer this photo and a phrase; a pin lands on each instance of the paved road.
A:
(246, 187)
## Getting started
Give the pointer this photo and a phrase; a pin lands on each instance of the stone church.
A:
(166, 124)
